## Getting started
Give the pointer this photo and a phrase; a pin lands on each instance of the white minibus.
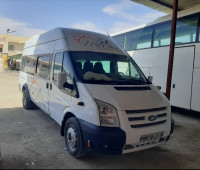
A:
(95, 91)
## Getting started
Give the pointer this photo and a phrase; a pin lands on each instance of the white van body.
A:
(137, 115)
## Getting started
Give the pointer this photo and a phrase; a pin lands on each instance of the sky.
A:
(30, 17)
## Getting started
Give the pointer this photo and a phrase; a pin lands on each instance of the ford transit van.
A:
(95, 91)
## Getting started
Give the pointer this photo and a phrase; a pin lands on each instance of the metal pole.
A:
(171, 52)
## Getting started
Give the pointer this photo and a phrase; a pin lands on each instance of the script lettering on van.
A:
(93, 42)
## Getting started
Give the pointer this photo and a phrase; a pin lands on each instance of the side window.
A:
(186, 29)
(66, 68)
(43, 67)
(61, 64)
(57, 68)
(120, 39)
(32, 64)
(22, 65)
(28, 64)
(139, 39)
(162, 34)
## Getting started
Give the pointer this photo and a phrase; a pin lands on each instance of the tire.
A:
(74, 138)
(26, 100)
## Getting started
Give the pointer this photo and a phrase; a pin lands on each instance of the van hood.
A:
(129, 97)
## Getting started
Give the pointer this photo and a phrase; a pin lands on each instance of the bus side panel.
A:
(154, 62)
(196, 90)
(196, 81)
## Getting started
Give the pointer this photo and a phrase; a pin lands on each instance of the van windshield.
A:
(103, 68)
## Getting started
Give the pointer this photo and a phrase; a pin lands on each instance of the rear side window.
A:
(28, 64)
(43, 67)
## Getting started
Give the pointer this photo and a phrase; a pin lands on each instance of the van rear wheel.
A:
(26, 100)
(74, 138)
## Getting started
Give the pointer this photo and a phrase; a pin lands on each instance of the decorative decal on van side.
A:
(91, 42)
(34, 81)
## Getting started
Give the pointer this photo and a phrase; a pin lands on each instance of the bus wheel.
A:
(74, 138)
(26, 100)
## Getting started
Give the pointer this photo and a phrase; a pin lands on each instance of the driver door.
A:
(59, 99)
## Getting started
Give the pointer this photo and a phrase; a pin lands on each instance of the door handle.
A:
(47, 85)
(50, 86)
(173, 86)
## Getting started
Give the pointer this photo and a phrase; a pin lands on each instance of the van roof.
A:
(55, 34)
(72, 40)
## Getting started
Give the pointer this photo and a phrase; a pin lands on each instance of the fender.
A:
(66, 117)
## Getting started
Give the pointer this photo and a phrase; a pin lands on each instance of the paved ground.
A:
(31, 139)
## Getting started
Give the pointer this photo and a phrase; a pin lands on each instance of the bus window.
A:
(139, 39)
(120, 39)
(186, 30)
(162, 34)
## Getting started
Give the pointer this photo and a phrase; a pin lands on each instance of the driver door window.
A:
(61, 64)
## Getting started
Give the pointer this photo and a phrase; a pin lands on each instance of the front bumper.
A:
(107, 140)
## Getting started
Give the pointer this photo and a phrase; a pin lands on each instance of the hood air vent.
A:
(139, 88)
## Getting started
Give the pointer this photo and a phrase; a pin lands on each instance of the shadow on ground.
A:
(31, 139)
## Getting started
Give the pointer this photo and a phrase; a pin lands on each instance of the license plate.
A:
(151, 137)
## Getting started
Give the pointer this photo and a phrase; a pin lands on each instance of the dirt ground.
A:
(31, 139)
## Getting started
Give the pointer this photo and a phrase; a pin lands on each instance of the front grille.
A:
(148, 124)
(136, 118)
(145, 110)
(161, 115)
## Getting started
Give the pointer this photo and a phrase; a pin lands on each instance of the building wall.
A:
(11, 45)
(15, 48)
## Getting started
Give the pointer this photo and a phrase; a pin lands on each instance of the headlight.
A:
(108, 114)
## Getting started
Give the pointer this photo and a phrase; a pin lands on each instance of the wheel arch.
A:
(25, 87)
(66, 117)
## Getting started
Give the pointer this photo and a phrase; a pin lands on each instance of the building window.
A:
(10, 47)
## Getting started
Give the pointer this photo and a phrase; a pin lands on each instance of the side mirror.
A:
(69, 86)
(61, 80)
(150, 78)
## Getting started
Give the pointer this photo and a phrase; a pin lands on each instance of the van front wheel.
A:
(74, 138)
(27, 103)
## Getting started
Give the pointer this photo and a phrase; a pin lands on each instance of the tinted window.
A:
(22, 64)
(186, 29)
(43, 67)
(120, 39)
(66, 68)
(57, 65)
(162, 34)
(139, 39)
(28, 64)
